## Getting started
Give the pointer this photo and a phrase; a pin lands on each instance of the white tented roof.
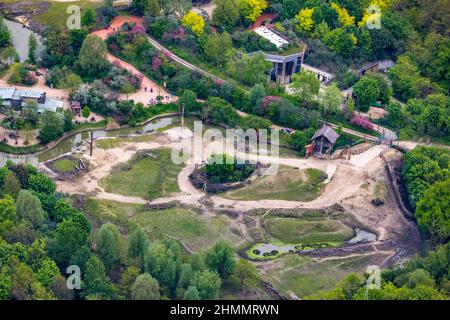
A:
(7, 93)
(50, 105)
(29, 94)
(271, 36)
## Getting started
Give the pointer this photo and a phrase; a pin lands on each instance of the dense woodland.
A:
(41, 233)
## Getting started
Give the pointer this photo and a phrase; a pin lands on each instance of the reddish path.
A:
(261, 19)
(142, 95)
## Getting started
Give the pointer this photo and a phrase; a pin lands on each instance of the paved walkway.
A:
(149, 89)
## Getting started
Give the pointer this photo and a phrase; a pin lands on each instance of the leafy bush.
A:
(223, 168)
(362, 122)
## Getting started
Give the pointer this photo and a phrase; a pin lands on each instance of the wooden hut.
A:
(323, 140)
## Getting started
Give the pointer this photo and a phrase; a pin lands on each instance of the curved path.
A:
(142, 95)
(345, 182)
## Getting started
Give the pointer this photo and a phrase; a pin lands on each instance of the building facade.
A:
(17, 99)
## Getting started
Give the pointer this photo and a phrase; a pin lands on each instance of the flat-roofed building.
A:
(285, 63)
(17, 99)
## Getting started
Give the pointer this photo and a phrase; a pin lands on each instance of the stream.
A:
(71, 144)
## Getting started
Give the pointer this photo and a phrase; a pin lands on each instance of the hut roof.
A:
(327, 132)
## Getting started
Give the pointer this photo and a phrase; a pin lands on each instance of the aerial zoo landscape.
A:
(224, 150)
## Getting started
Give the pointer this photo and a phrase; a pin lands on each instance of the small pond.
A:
(20, 36)
(362, 236)
(269, 250)
(70, 144)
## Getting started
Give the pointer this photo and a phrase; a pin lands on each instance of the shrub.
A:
(362, 122)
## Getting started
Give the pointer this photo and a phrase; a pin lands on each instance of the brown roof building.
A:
(323, 140)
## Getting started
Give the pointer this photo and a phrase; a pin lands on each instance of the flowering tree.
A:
(195, 22)
(344, 17)
(362, 122)
(252, 9)
(305, 18)
(156, 63)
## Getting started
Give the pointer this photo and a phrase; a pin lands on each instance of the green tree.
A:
(330, 99)
(70, 236)
(220, 258)
(305, 85)
(11, 185)
(433, 211)
(245, 272)
(197, 262)
(367, 92)
(7, 213)
(88, 18)
(226, 14)
(188, 102)
(300, 139)
(145, 288)
(5, 286)
(9, 55)
(5, 35)
(92, 59)
(154, 8)
(162, 263)
(32, 48)
(249, 69)
(41, 183)
(191, 294)
(252, 9)
(107, 241)
(403, 76)
(218, 111)
(341, 42)
(67, 119)
(127, 279)
(47, 272)
(137, 247)
(185, 279)
(95, 270)
(207, 284)
(29, 208)
(256, 96)
(176, 7)
(218, 47)
(72, 82)
(58, 286)
(52, 126)
(63, 210)
(397, 115)
(140, 6)
(86, 112)
(96, 285)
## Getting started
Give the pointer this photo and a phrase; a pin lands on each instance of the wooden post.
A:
(92, 142)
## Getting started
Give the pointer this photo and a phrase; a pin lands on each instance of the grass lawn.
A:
(111, 143)
(186, 225)
(57, 15)
(290, 230)
(288, 184)
(196, 231)
(346, 139)
(102, 211)
(150, 177)
(304, 277)
(64, 165)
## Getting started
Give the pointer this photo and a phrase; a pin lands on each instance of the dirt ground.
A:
(352, 185)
